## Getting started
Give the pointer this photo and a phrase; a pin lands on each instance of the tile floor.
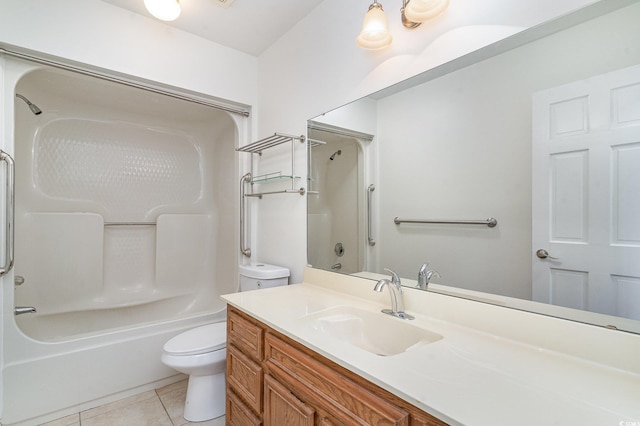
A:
(160, 407)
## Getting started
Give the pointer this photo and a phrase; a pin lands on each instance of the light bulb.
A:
(422, 10)
(374, 34)
(166, 10)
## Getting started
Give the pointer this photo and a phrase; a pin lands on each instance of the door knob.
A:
(543, 254)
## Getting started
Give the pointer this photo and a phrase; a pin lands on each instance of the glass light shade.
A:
(166, 10)
(375, 33)
(422, 10)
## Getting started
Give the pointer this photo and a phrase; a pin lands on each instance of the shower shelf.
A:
(261, 145)
(272, 177)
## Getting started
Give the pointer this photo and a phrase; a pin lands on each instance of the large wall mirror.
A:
(543, 136)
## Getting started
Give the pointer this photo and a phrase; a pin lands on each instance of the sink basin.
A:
(374, 332)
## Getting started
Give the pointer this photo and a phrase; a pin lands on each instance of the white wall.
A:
(317, 66)
(102, 35)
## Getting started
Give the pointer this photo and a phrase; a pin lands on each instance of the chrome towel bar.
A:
(490, 222)
(276, 139)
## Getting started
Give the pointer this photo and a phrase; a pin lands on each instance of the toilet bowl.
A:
(201, 352)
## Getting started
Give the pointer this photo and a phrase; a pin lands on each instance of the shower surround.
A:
(124, 233)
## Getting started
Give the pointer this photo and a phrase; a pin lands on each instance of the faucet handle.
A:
(395, 279)
(423, 268)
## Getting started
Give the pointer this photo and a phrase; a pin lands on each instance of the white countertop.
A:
(471, 376)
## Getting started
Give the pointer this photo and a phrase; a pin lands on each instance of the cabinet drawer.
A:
(321, 386)
(245, 378)
(238, 414)
(245, 334)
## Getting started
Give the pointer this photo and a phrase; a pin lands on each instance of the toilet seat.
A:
(199, 340)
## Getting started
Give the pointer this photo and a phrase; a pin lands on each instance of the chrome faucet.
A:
(395, 292)
(424, 276)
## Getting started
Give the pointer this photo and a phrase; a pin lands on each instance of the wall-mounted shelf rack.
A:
(258, 147)
(269, 142)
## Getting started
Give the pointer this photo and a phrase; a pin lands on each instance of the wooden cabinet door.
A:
(281, 407)
(244, 376)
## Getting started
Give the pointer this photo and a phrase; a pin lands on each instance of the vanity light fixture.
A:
(375, 33)
(415, 12)
(166, 10)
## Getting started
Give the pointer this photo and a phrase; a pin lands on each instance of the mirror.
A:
(464, 145)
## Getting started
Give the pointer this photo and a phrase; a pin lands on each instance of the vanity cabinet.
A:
(273, 381)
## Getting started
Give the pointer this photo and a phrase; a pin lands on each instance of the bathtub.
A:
(125, 210)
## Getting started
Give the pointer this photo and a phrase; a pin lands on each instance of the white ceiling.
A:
(250, 26)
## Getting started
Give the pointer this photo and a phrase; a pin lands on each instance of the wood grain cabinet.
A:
(274, 381)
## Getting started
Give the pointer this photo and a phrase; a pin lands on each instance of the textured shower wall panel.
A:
(127, 170)
(129, 263)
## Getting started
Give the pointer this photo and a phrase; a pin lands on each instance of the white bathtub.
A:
(126, 205)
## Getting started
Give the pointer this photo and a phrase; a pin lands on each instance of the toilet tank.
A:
(261, 275)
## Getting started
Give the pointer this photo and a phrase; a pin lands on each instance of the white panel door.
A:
(586, 194)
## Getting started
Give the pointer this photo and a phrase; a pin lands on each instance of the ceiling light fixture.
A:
(166, 10)
(375, 33)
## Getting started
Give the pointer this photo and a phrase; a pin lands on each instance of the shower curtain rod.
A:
(123, 81)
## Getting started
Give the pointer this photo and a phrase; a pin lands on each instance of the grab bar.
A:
(10, 199)
(370, 189)
(490, 222)
(246, 178)
(130, 224)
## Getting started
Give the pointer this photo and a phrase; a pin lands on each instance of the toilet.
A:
(201, 352)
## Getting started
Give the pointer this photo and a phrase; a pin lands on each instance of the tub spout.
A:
(19, 310)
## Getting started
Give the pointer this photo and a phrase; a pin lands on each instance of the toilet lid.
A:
(198, 340)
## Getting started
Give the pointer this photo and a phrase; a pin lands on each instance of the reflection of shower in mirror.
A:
(336, 200)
